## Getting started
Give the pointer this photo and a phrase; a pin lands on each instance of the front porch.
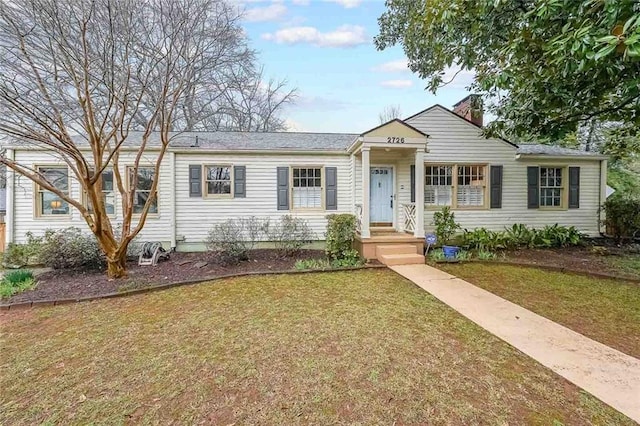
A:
(388, 164)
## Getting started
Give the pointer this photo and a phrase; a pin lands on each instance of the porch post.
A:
(365, 232)
(419, 228)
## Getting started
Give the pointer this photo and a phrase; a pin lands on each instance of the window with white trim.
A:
(108, 194)
(47, 202)
(551, 186)
(438, 185)
(307, 187)
(471, 186)
(143, 185)
(218, 180)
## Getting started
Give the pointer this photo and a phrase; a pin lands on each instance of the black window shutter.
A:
(283, 188)
(413, 183)
(195, 180)
(574, 187)
(496, 187)
(239, 181)
(331, 188)
(533, 187)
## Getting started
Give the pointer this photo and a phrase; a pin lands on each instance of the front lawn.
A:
(364, 347)
(605, 310)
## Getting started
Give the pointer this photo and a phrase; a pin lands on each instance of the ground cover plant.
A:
(605, 310)
(15, 282)
(363, 347)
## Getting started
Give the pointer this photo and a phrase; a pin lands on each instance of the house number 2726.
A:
(393, 139)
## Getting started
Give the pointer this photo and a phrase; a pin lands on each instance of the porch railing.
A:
(409, 215)
(358, 213)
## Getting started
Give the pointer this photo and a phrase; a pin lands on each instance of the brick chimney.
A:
(470, 108)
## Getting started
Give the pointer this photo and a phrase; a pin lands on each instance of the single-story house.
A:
(393, 177)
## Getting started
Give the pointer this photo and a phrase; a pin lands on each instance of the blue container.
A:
(450, 252)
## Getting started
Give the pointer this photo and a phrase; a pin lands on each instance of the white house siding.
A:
(195, 216)
(157, 227)
(452, 140)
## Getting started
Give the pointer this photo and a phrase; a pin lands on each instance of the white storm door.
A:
(381, 207)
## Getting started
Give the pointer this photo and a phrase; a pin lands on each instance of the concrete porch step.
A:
(396, 249)
(401, 259)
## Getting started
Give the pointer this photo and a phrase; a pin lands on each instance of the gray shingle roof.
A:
(295, 141)
(540, 149)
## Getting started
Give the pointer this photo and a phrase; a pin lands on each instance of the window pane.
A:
(50, 203)
(307, 197)
(57, 176)
(139, 201)
(219, 187)
(438, 189)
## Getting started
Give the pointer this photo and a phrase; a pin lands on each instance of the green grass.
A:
(628, 264)
(603, 309)
(15, 282)
(363, 347)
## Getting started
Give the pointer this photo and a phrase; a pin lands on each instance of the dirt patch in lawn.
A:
(364, 347)
(586, 259)
(64, 284)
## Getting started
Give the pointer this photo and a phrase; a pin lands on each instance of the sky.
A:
(325, 49)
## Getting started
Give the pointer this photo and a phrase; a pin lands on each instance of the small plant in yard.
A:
(305, 264)
(19, 255)
(289, 234)
(70, 248)
(486, 255)
(341, 231)
(233, 239)
(15, 282)
(483, 239)
(437, 255)
(463, 255)
(445, 224)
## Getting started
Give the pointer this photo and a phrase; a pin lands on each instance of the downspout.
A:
(10, 201)
(602, 196)
(172, 199)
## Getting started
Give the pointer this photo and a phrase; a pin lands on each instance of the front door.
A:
(381, 198)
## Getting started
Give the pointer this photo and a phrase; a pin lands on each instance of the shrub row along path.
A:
(608, 374)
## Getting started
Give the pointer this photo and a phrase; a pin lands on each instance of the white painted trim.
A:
(10, 199)
(419, 196)
(353, 182)
(603, 195)
(365, 231)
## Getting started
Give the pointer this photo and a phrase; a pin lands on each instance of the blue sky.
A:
(325, 49)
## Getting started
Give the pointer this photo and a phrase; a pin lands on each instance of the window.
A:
(458, 186)
(48, 203)
(307, 188)
(471, 186)
(218, 180)
(143, 185)
(551, 186)
(438, 185)
(108, 195)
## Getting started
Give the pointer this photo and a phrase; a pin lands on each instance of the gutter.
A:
(561, 157)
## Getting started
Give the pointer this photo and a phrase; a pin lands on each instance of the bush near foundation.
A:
(70, 248)
(622, 217)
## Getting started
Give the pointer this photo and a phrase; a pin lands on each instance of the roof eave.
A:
(560, 157)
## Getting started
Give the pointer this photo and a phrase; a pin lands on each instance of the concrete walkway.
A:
(606, 373)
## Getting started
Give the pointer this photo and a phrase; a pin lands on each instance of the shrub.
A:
(16, 281)
(519, 235)
(436, 255)
(483, 239)
(341, 231)
(486, 255)
(233, 239)
(622, 217)
(349, 258)
(289, 234)
(445, 224)
(19, 255)
(70, 248)
(556, 236)
(304, 264)
(463, 255)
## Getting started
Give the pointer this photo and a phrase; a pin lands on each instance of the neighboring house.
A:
(393, 177)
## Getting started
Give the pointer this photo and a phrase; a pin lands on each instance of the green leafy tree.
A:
(546, 66)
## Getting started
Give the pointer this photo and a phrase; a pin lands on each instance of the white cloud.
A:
(343, 36)
(301, 2)
(293, 126)
(399, 65)
(396, 84)
(273, 12)
(347, 4)
(455, 77)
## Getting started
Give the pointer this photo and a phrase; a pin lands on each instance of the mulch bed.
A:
(66, 284)
(572, 258)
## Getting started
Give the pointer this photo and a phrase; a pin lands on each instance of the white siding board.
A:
(196, 216)
(451, 140)
(157, 227)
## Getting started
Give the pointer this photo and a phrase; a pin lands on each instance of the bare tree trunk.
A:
(117, 266)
